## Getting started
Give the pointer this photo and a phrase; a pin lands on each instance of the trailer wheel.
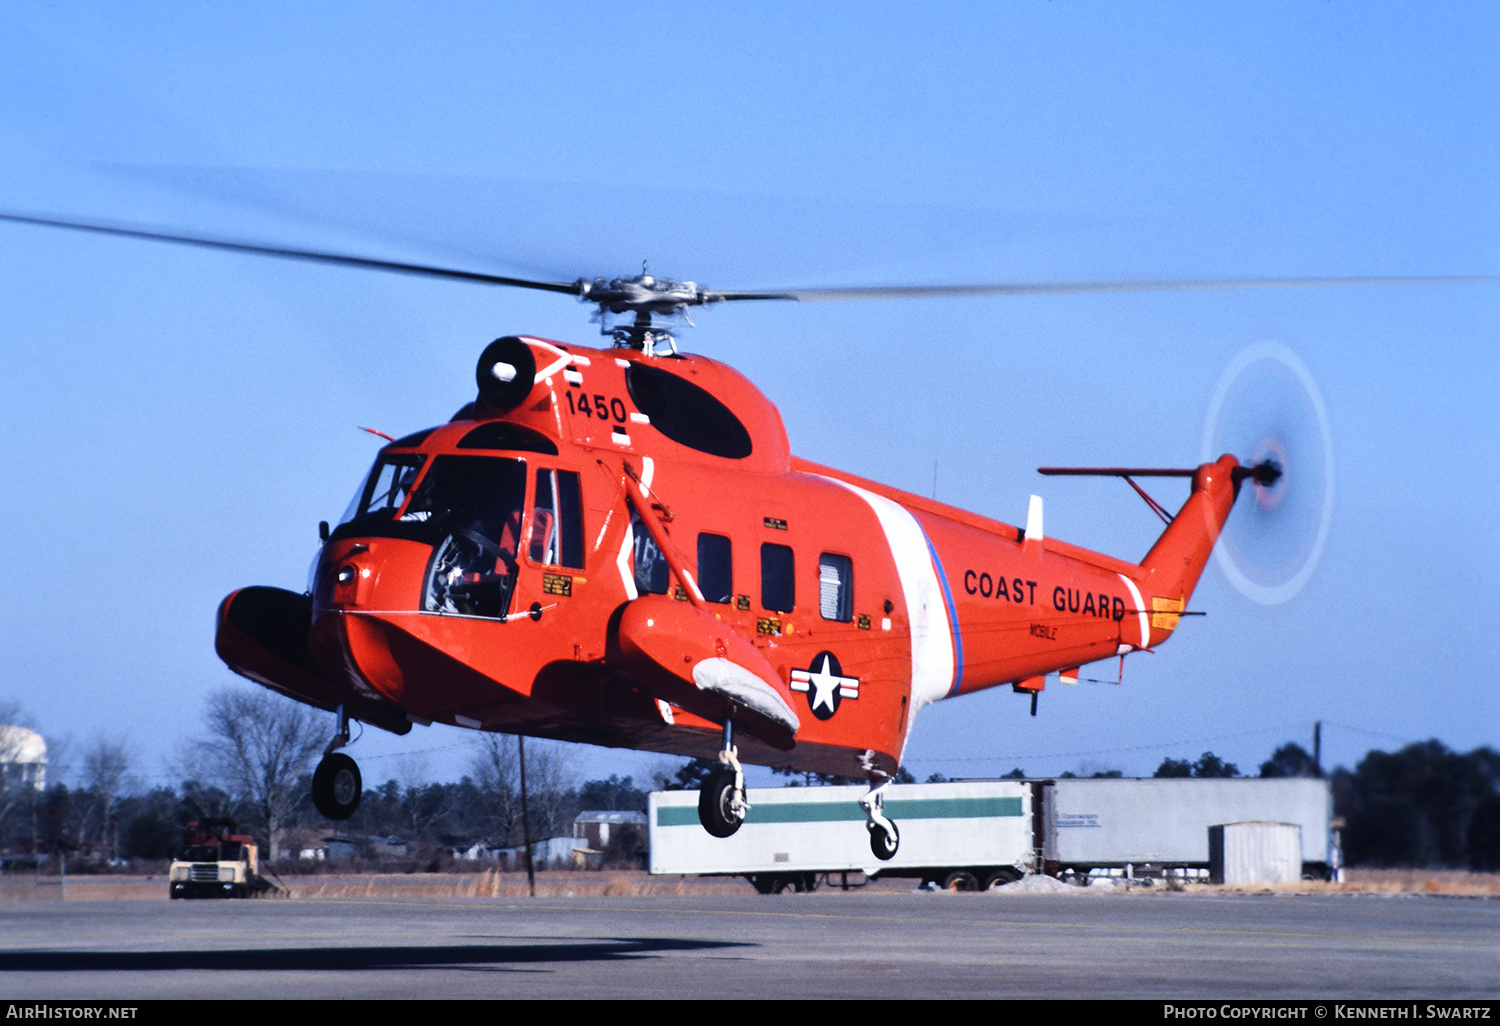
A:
(716, 805)
(1000, 877)
(884, 844)
(960, 880)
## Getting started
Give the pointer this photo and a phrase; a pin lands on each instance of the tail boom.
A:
(1172, 568)
(1024, 610)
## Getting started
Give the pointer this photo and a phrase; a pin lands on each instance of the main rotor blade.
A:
(701, 296)
(337, 259)
(1078, 287)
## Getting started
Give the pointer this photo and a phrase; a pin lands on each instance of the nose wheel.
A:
(336, 785)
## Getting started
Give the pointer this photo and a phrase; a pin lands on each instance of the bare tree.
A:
(549, 784)
(495, 767)
(17, 788)
(261, 744)
(105, 765)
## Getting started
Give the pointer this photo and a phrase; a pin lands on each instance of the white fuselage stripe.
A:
(1140, 606)
(931, 634)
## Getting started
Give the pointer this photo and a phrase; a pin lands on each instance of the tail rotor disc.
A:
(1267, 407)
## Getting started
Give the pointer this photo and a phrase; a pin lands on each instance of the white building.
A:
(23, 759)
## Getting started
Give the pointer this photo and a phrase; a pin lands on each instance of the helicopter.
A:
(615, 545)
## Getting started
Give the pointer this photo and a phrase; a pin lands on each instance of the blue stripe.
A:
(958, 641)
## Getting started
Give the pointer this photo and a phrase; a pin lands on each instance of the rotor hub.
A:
(641, 299)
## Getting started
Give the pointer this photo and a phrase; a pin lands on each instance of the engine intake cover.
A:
(506, 373)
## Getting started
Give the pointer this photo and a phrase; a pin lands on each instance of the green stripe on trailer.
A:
(847, 811)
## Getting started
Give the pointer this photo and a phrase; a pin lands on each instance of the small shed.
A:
(1255, 852)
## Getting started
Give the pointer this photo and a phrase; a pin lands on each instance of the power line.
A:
(1372, 733)
(1112, 751)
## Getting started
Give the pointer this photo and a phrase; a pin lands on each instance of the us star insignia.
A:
(825, 685)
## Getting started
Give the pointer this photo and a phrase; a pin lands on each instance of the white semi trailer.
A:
(962, 835)
(1163, 822)
(971, 834)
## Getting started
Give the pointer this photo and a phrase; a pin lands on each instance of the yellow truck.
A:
(216, 862)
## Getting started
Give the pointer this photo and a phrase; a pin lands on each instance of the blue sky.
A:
(176, 422)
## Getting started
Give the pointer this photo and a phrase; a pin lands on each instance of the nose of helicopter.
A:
(375, 631)
(361, 583)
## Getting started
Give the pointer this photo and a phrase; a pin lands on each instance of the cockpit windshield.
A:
(472, 505)
(468, 508)
(386, 487)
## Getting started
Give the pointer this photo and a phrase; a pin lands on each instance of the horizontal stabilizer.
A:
(1115, 472)
(1266, 472)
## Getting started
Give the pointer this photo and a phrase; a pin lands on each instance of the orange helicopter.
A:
(616, 546)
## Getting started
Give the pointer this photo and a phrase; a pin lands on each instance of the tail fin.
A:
(1176, 561)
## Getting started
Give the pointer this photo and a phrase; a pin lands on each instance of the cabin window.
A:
(836, 587)
(651, 568)
(685, 413)
(556, 520)
(715, 568)
(778, 583)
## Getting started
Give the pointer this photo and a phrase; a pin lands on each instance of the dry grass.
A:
(1420, 881)
(1379, 881)
(495, 884)
(626, 883)
(491, 884)
(24, 887)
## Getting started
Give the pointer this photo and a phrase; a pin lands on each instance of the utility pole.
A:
(526, 818)
(1318, 747)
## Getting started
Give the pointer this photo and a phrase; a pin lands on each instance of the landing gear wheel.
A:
(884, 844)
(717, 806)
(337, 788)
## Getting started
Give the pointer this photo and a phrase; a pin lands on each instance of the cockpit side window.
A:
(651, 567)
(557, 523)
